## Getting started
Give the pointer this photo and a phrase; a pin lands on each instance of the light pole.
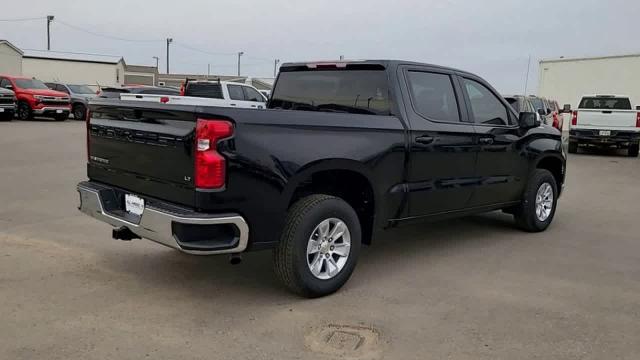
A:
(275, 67)
(169, 41)
(239, 55)
(49, 20)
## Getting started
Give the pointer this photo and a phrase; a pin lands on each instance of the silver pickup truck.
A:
(7, 104)
(605, 121)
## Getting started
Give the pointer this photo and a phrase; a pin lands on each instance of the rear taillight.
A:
(574, 118)
(164, 99)
(556, 122)
(638, 120)
(210, 166)
(183, 87)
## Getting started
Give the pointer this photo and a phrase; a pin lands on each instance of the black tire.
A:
(525, 215)
(573, 147)
(290, 255)
(79, 112)
(24, 111)
(633, 150)
(61, 117)
(6, 116)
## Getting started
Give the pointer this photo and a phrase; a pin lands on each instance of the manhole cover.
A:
(345, 340)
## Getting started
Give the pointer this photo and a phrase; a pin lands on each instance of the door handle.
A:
(426, 140)
(486, 141)
(232, 104)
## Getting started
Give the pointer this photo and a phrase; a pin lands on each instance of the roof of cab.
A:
(384, 63)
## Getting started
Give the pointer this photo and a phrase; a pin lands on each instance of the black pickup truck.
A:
(344, 151)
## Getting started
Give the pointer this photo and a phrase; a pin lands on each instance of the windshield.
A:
(352, 91)
(537, 104)
(81, 89)
(608, 103)
(31, 84)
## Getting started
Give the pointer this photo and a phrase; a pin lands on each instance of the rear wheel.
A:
(633, 150)
(319, 246)
(573, 147)
(538, 206)
(24, 111)
(79, 112)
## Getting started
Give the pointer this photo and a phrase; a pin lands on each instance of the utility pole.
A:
(239, 55)
(157, 62)
(208, 70)
(526, 81)
(275, 67)
(169, 41)
(341, 57)
(49, 20)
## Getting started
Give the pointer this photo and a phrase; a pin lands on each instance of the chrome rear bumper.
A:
(157, 224)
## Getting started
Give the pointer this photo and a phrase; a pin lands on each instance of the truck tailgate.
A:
(144, 151)
(607, 119)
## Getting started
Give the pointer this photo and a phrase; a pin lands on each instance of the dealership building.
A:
(567, 80)
(96, 70)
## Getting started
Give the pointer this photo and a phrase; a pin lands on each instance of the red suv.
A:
(34, 98)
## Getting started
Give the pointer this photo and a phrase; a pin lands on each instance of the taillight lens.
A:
(574, 118)
(556, 123)
(210, 166)
(182, 89)
(638, 120)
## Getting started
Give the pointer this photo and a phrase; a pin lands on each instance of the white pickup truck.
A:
(208, 93)
(605, 120)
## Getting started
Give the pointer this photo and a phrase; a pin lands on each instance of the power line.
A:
(203, 51)
(23, 19)
(103, 35)
(72, 52)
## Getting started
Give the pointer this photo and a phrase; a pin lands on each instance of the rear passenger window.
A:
(486, 107)
(433, 96)
(235, 92)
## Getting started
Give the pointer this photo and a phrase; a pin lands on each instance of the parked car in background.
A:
(605, 121)
(520, 103)
(79, 94)
(345, 151)
(235, 94)
(548, 110)
(114, 92)
(7, 104)
(35, 98)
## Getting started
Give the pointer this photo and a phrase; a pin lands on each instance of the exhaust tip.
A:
(235, 259)
(123, 233)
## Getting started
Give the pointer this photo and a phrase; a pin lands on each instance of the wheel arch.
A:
(347, 179)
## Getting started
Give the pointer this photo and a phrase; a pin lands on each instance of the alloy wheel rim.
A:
(328, 248)
(23, 112)
(544, 201)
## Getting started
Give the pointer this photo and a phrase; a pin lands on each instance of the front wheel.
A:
(538, 206)
(79, 112)
(24, 111)
(319, 246)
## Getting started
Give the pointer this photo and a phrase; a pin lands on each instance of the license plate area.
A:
(605, 132)
(133, 204)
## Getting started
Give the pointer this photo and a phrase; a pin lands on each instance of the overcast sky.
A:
(492, 38)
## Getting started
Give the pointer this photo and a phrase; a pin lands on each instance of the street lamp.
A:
(169, 41)
(49, 20)
(239, 55)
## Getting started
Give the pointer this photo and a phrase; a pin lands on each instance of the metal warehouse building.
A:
(567, 80)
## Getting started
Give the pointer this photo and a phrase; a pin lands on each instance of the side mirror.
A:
(529, 120)
(566, 108)
(549, 111)
(638, 107)
(541, 112)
